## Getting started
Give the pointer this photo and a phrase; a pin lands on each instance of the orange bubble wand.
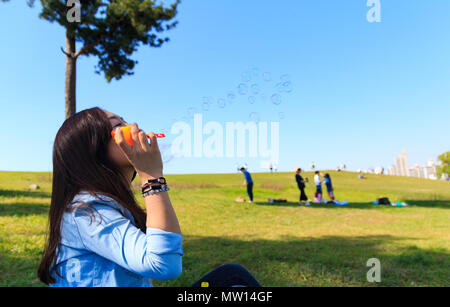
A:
(126, 130)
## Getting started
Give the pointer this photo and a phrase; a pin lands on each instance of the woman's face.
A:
(114, 152)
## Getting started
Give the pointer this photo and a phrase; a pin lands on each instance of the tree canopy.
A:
(445, 160)
(112, 30)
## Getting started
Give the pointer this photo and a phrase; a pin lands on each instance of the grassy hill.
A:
(282, 244)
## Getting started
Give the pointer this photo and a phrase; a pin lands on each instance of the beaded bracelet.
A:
(155, 189)
(149, 182)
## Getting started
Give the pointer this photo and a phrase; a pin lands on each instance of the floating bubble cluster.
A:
(256, 85)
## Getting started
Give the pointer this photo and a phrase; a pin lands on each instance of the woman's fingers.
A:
(134, 133)
(120, 140)
(143, 141)
(153, 141)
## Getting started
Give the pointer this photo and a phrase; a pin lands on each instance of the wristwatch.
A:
(160, 180)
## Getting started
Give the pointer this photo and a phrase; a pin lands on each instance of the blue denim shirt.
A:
(109, 250)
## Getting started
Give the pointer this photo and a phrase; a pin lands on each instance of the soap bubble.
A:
(231, 96)
(168, 158)
(281, 115)
(255, 89)
(242, 89)
(287, 86)
(255, 71)
(205, 106)
(254, 117)
(251, 99)
(267, 76)
(285, 78)
(278, 87)
(246, 76)
(221, 103)
(164, 147)
(276, 99)
(210, 100)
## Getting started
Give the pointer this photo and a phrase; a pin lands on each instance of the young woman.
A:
(99, 235)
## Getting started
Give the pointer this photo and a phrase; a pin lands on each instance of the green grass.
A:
(281, 244)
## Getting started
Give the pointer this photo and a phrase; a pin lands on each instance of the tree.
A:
(108, 29)
(445, 164)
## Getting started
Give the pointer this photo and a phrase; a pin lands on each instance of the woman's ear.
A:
(134, 176)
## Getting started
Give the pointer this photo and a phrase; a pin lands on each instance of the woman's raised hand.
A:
(144, 156)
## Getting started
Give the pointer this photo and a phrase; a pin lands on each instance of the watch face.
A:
(162, 180)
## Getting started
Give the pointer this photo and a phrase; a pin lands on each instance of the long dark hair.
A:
(80, 162)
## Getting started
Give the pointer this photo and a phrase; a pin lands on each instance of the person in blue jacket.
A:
(329, 186)
(99, 235)
(249, 182)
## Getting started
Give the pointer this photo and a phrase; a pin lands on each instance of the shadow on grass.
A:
(355, 205)
(362, 205)
(23, 209)
(325, 261)
(429, 203)
(24, 193)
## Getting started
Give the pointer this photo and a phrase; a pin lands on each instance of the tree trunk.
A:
(71, 75)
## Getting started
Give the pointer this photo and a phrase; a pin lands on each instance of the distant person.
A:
(329, 186)
(318, 182)
(271, 167)
(249, 182)
(313, 166)
(317, 197)
(301, 185)
(361, 175)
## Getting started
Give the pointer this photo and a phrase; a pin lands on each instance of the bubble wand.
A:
(126, 130)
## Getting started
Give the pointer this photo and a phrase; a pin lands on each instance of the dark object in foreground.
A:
(271, 200)
(383, 201)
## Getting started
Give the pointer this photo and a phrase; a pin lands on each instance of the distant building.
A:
(401, 168)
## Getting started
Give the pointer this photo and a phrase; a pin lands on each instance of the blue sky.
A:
(360, 92)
